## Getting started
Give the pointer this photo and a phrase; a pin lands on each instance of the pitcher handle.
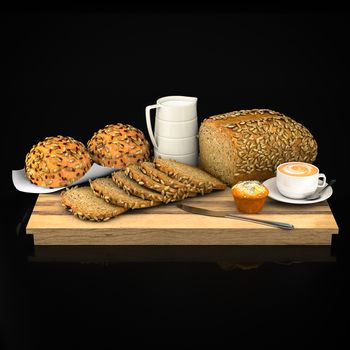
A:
(149, 123)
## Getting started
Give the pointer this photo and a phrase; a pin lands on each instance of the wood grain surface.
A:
(51, 224)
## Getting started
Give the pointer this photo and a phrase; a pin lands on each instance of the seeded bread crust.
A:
(83, 203)
(250, 144)
(107, 189)
(133, 188)
(57, 161)
(149, 169)
(199, 179)
(171, 194)
(118, 145)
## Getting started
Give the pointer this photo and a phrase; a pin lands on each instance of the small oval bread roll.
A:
(57, 161)
(118, 145)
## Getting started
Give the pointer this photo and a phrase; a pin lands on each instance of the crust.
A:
(158, 176)
(184, 190)
(200, 185)
(138, 190)
(74, 208)
(129, 203)
(170, 194)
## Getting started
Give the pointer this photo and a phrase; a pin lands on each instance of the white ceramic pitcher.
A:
(176, 125)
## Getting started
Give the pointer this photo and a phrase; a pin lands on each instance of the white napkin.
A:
(23, 184)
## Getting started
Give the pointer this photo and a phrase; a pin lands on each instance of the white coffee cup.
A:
(298, 180)
(177, 146)
(190, 158)
(176, 117)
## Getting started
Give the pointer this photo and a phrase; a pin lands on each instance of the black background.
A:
(70, 71)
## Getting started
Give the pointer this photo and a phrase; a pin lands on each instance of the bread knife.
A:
(223, 214)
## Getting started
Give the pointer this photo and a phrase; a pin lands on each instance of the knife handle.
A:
(282, 225)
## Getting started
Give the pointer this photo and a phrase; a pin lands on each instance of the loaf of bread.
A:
(250, 144)
(118, 145)
(57, 161)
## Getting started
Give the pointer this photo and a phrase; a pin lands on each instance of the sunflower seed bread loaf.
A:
(250, 144)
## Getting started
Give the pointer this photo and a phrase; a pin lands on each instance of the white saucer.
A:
(276, 195)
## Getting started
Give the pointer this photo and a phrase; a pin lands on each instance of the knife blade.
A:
(223, 214)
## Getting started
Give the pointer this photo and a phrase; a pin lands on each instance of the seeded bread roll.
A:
(250, 144)
(119, 145)
(57, 161)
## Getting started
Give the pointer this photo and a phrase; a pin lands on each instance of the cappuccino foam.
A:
(298, 169)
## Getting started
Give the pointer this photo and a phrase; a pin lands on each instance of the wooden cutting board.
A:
(51, 224)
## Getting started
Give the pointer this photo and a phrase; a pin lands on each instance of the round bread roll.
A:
(118, 145)
(57, 161)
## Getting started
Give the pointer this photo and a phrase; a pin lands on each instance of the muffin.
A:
(57, 161)
(119, 145)
(249, 196)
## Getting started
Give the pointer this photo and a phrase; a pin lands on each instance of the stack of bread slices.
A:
(138, 186)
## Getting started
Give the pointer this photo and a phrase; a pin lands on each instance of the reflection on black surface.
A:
(273, 300)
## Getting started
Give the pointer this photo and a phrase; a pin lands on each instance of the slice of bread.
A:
(133, 188)
(188, 174)
(149, 169)
(107, 189)
(82, 202)
(173, 194)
